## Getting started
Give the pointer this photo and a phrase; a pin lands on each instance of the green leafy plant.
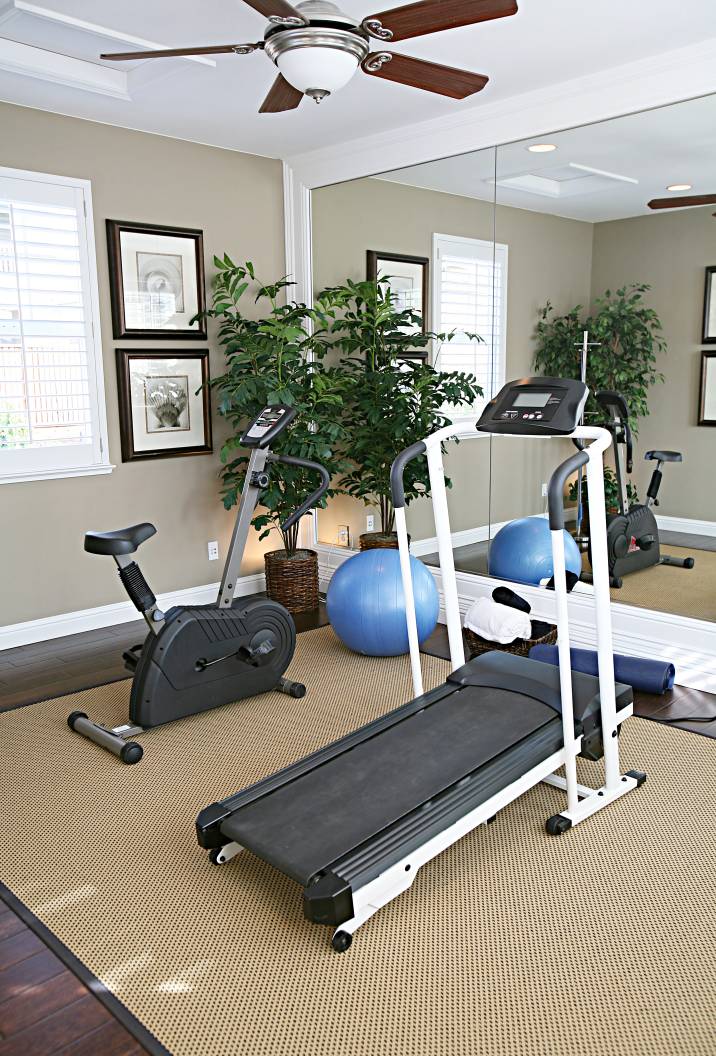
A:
(629, 336)
(276, 358)
(611, 491)
(390, 400)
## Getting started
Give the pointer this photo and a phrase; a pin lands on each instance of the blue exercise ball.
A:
(522, 552)
(366, 605)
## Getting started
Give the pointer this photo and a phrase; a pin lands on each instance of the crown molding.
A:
(660, 80)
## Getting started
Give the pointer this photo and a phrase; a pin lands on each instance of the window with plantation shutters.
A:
(470, 297)
(52, 418)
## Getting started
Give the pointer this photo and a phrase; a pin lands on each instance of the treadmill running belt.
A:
(305, 825)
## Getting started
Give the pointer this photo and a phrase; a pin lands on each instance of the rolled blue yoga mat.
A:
(650, 676)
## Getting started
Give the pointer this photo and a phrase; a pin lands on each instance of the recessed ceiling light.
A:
(679, 187)
(542, 148)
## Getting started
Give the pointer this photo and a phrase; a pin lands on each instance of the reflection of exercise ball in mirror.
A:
(522, 552)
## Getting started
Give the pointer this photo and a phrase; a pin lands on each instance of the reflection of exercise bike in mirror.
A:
(632, 532)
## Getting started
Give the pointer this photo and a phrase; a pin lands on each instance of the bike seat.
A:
(123, 541)
(663, 456)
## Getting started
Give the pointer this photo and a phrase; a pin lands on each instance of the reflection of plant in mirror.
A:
(611, 491)
(629, 336)
(273, 359)
(389, 402)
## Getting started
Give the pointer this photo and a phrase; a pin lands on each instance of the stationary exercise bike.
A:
(198, 657)
(632, 532)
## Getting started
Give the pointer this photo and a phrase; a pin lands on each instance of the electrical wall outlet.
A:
(213, 550)
(544, 491)
(370, 523)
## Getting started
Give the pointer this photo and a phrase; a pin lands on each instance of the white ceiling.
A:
(547, 42)
(649, 151)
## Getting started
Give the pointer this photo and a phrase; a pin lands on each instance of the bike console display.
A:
(270, 423)
(536, 407)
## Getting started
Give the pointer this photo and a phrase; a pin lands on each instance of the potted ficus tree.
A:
(627, 339)
(391, 397)
(275, 358)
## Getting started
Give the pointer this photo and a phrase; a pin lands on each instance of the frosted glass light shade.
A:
(325, 69)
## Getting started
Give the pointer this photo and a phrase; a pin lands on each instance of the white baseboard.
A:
(687, 525)
(49, 627)
(687, 643)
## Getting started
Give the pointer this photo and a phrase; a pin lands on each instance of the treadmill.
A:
(353, 822)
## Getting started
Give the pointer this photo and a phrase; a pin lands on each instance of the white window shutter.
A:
(469, 296)
(52, 416)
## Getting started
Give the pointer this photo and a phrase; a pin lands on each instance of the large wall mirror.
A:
(436, 245)
(562, 221)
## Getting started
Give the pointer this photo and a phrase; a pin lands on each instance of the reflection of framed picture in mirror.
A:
(707, 397)
(409, 280)
(164, 406)
(710, 307)
(156, 279)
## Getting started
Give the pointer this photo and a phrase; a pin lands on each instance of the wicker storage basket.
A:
(520, 646)
(378, 541)
(293, 581)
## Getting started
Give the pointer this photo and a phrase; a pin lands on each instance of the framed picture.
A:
(710, 307)
(409, 280)
(164, 405)
(156, 277)
(707, 396)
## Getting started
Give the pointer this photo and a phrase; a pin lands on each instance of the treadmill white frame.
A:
(581, 800)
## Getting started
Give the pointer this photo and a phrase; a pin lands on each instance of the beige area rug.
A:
(598, 943)
(684, 591)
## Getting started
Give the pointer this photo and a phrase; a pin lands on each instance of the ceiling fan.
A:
(317, 48)
(684, 202)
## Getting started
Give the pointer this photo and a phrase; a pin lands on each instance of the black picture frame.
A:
(708, 378)
(709, 326)
(374, 259)
(120, 327)
(127, 406)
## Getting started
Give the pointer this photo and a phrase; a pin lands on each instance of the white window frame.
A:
(492, 251)
(57, 462)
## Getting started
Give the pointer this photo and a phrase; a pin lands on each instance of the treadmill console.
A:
(536, 407)
(270, 423)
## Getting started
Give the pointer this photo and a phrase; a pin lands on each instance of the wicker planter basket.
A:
(520, 646)
(378, 541)
(293, 581)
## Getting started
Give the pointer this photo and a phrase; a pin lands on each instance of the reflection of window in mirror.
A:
(470, 297)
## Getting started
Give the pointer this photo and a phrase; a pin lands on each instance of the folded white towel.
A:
(497, 623)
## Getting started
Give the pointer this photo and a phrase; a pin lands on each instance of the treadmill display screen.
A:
(532, 399)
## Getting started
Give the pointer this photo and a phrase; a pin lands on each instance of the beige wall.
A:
(549, 258)
(237, 200)
(669, 251)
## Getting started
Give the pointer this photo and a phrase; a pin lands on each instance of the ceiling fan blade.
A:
(433, 16)
(430, 76)
(278, 10)
(679, 203)
(170, 53)
(283, 96)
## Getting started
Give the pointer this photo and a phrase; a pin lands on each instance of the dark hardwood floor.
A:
(45, 1008)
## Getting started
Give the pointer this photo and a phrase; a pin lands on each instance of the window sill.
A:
(56, 474)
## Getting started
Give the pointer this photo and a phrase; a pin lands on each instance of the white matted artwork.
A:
(157, 281)
(164, 405)
(707, 402)
(408, 280)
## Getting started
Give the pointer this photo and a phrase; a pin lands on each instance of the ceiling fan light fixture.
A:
(679, 187)
(317, 61)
